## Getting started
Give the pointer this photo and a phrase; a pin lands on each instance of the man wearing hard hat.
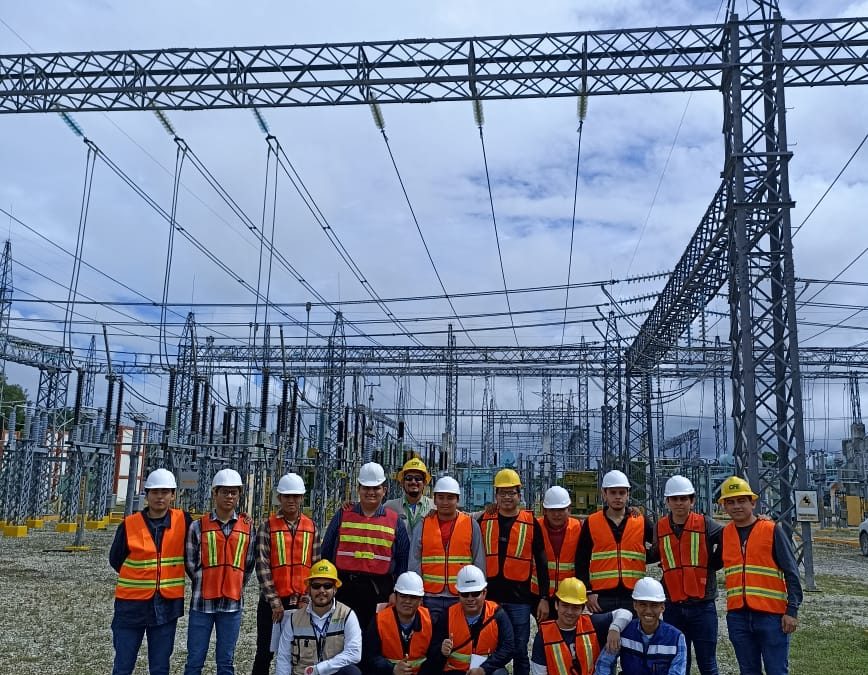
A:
(413, 505)
(689, 545)
(219, 559)
(369, 545)
(561, 537)
(475, 635)
(648, 644)
(614, 546)
(323, 638)
(570, 644)
(397, 641)
(287, 544)
(763, 589)
(148, 554)
(447, 541)
(514, 547)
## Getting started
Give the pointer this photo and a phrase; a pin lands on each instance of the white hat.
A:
(447, 484)
(615, 479)
(410, 583)
(556, 498)
(371, 475)
(227, 478)
(291, 484)
(678, 486)
(470, 578)
(161, 478)
(650, 590)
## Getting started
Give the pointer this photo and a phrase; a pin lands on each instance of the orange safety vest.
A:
(390, 638)
(365, 544)
(439, 564)
(559, 659)
(611, 561)
(146, 569)
(753, 579)
(224, 558)
(563, 564)
(519, 550)
(291, 554)
(684, 559)
(462, 644)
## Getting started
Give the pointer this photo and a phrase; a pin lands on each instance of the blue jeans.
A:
(519, 617)
(438, 605)
(227, 625)
(698, 622)
(758, 640)
(161, 643)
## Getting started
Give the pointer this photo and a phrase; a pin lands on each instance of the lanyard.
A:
(320, 636)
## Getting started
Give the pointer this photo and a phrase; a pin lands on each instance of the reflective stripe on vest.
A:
(559, 658)
(365, 544)
(439, 564)
(753, 579)
(684, 559)
(519, 548)
(463, 646)
(562, 564)
(390, 638)
(613, 562)
(291, 554)
(145, 569)
(223, 559)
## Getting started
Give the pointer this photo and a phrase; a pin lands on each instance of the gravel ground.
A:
(59, 606)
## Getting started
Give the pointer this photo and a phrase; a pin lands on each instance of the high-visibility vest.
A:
(611, 561)
(224, 558)
(146, 569)
(684, 559)
(753, 579)
(462, 644)
(365, 544)
(291, 554)
(559, 658)
(390, 638)
(519, 550)
(562, 564)
(440, 564)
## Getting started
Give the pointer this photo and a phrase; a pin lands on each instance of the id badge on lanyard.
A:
(321, 637)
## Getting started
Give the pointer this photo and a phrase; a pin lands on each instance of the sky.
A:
(648, 168)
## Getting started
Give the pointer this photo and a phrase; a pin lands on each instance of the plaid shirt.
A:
(263, 559)
(193, 563)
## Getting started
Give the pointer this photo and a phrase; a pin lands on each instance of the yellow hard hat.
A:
(324, 569)
(415, 464)
(573, 591)
(736, 487)
(506, 478)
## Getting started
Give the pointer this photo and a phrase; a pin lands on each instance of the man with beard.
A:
(413, 505)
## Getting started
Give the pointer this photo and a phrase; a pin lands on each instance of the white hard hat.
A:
(678, 486)
(227, 478)
(556, 498)
(447, 484)
(371, 475)
(291, 484)
(410, 583)
(650, 590)
(470, 578)
(615, 479)
(161, 478)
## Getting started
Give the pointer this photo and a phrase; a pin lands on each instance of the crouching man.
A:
(324, 638)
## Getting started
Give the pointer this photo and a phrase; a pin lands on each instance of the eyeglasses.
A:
(228, 492)
(415, 479)
(326, 586)
(471, 594)
(507, 493)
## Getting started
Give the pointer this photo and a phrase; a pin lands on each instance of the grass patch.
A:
(841, 586)
(814, 650)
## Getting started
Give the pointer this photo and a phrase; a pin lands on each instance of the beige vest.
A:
(305, 650)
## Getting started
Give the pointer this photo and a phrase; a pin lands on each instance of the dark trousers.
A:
(362, 592)
(262, 660)
(616, 600)
(698, 622)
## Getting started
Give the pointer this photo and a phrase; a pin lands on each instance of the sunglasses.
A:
(471, 594)
(415, 479)
(326, 586)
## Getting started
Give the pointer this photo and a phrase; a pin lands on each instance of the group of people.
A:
(416, 585)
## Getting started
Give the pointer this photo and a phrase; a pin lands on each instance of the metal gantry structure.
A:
(743, 241)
